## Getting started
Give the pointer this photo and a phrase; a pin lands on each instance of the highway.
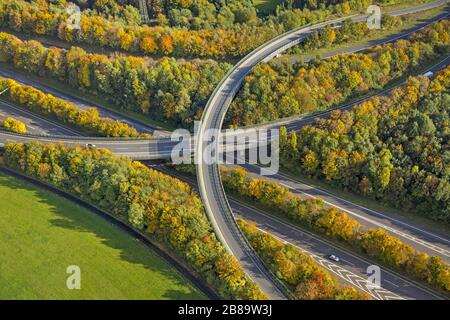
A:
(350, 270)
(210, 186)
(80, 103)
(431, 242)
(160, 147)
(35, 124)
(135, 148)
(394, 37)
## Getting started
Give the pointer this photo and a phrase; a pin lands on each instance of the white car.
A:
(428, 74)
(90, 145)
(334, 258)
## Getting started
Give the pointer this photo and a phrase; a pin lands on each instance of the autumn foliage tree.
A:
(167, 89)
(281, 89)
(196, 28)
(14, 125)
(390, 148)
(304, 277)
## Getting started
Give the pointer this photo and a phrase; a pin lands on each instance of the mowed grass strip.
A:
(41, 234)
(266, 6)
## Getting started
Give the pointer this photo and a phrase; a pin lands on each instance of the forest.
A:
(195, 29)
(176, 91)
(394, 149)
(313, 214)
(167, 89)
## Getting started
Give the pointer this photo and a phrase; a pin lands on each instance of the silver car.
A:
(334, 258)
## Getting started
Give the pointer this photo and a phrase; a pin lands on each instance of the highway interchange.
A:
(218, 208)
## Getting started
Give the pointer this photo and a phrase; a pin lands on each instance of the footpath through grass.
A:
(41, 234)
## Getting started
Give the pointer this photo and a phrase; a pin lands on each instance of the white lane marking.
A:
(39, 117)
(364, 208)
(317, 238)
(391, 283)
(395, 231)
(354, 279)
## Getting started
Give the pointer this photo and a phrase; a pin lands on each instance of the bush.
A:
(14, 125)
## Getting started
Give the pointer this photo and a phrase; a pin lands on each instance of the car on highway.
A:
(428, 74)
(334, 258)
(90, 145)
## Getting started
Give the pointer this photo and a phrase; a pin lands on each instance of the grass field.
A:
(41, 234)
(266, 6)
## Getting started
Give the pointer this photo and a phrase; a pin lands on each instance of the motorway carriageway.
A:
(352, 268)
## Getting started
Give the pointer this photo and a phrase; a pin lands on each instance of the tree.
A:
(317, 287)
(14, 125)
(136, 215)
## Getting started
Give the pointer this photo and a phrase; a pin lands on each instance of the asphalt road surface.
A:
(79, 102)
(35, 123)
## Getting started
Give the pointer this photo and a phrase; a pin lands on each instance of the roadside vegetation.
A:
(87, 121)
(13, 125)
(43, 234)
(306, 278)
(354, 33)
(393, 149)
(163, 207)
(177, 91)
(167, 210)
(337, 225)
